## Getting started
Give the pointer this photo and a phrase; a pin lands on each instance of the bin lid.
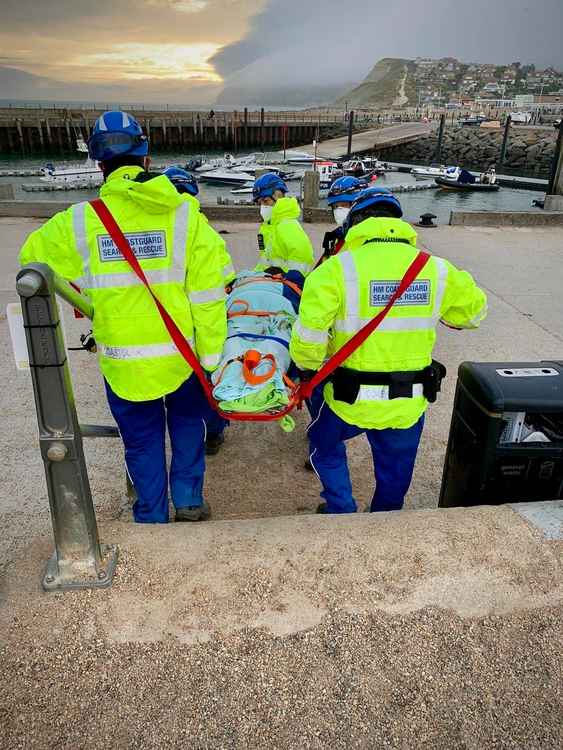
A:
(515, 386)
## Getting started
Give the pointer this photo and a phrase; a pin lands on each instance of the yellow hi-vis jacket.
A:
(183, 262)
(349, 289)
(282, 240)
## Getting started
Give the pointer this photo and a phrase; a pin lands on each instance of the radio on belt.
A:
(506, 434)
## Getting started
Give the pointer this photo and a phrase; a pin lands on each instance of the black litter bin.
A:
(506, 435)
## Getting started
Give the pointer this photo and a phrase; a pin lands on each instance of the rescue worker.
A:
(184, 182)
(282, 241)
(384, 386)
(148, 383)
(340, 197)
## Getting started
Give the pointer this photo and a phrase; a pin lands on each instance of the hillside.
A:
(389, 82)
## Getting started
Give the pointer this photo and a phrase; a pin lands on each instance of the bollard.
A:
(79, 560)
(311, 187)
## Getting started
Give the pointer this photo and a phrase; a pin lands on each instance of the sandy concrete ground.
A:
(433, 629)
(438, 629)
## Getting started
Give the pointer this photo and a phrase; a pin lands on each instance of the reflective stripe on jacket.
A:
(182, 261)
(347, 290)
(285, 242)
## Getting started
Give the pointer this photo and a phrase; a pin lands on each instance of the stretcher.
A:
(258, 364)
(252, 375)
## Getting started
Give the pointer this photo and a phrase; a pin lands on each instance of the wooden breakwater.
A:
(27, 131)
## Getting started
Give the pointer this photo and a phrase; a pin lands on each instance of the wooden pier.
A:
(26, 131)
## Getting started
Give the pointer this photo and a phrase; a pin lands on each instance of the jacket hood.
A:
(155, 196)
(285, 208)
(380, 228)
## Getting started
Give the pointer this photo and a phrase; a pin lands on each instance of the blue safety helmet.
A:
(116, 134)
(266, 185)
(373, 196)
(183, 181)
(344, 190)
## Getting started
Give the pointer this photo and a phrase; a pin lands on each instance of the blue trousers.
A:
(142, 425)
(394, 455)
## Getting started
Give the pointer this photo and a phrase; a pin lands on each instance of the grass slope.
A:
(382, 85)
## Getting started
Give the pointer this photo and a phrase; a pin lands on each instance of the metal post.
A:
(504, 141)
(554, 195)
(350, 131)
(438, 151)
(246, 127)
(557, 164)
(79, 560)
(262, 128)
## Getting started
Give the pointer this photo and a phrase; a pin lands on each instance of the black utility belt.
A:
(346, 383)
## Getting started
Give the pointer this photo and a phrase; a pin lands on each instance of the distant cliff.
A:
(389, 82)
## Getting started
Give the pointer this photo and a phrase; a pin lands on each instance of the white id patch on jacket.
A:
(145, 245)
(418, 293)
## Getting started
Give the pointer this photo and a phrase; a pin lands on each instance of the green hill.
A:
(389, 82)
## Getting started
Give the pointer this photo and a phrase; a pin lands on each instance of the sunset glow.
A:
(136, 61)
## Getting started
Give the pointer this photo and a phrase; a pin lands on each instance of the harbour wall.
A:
(27, 132)
(529, 151)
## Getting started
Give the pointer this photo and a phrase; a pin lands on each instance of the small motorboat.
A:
(226, 177)
(425, 173)
(463, 180)
(299, 158)
(88, 173)
(366, 166)
(227, 161)
(328, 173)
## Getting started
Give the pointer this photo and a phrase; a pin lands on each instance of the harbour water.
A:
(438, 202)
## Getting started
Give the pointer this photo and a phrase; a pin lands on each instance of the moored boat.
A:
(462, 180)
(425, 173)
(87, 173)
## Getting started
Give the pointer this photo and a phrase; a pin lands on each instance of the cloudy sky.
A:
(187, 50)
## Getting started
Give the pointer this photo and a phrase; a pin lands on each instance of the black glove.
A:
(330, 239)
(306, 375)
(274, 271)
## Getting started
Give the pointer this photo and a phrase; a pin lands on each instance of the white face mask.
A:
(266, 212)
(340, 215)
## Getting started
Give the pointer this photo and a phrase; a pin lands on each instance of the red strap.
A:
(358, 338)
(175, 334)
(77, 313)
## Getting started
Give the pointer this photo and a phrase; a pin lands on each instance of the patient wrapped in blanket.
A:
(252, 375)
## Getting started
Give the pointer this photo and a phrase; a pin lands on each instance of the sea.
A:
(439, 202)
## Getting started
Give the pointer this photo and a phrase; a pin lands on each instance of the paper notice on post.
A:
(17, 334)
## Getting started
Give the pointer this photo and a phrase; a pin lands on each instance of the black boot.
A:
(193, 513)
(213, 444)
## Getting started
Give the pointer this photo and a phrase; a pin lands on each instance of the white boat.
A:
(227, 161)
(87, 173)
(226, 177)
(246, 189)
(298, 158)
(424, 173)
(328, 172)
(361, 167)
